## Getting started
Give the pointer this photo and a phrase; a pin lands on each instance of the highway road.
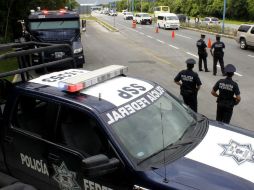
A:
(159, 57)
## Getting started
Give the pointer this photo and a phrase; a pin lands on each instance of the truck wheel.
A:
(243, 44)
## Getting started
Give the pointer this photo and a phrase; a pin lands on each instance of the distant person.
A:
(202, 53)
(189, 83)
(218, 54)
(228, 97)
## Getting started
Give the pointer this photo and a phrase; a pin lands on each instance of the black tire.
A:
(243, 44)
(164, 27)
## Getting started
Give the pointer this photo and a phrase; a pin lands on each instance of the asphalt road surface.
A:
(159, 57)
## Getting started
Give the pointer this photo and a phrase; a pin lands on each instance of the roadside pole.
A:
(224, 13)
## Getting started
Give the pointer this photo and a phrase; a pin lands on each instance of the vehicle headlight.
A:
(78, 50)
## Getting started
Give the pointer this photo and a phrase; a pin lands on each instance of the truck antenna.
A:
(165, 180)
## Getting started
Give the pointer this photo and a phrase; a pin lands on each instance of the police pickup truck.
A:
(102, 130)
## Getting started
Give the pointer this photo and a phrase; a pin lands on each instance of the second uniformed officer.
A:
(202, 53)
(189, 83)
(218, 55)
(228, 97)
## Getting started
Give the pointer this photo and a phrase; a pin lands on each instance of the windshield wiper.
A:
(177, 144)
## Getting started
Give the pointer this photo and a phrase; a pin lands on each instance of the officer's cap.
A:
(217, 36)
(202, 35)
(230, 68)
(190, 61)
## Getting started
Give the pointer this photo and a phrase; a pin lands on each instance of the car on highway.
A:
(105, 130)
(128, 16)
(168, 20)
(143, 18)
(245, 36)
(209, 21)
(112, 13)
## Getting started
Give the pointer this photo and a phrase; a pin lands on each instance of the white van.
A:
(168, 20)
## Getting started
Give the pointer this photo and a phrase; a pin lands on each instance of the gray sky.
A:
(96, 2)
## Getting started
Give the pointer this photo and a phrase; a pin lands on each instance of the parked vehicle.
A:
(210, 21)
(59, 26)
(245, 36)
(168, 20)
(143, 18)
(181, 17)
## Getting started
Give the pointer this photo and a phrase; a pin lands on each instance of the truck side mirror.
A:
(99, 165)
(83, 25)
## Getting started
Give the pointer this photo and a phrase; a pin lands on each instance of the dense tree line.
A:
(235, 9)
(13, 10)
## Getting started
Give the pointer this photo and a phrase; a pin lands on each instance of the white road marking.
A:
(251, 56)
(141, 33)
(149, 36)
(160, 41)
(183, 36)
(236, 73)
(173, 46)
(192, 54)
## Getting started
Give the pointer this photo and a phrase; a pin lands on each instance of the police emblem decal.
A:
(239, 152)
(65, 178)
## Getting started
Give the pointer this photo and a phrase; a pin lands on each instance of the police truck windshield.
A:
(48, 25)
(53, 31)
(141, 133)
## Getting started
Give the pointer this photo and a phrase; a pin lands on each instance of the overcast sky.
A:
(96, 2)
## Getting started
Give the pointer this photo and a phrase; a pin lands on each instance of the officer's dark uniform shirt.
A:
(190, 80)
(227, 89)
(218, 48)
(201, 46)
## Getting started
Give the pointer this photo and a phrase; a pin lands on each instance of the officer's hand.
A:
(236, 102)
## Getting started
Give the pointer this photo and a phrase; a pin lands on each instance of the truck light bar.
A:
(78, 83)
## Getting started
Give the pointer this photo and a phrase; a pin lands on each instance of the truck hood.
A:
(224, 160)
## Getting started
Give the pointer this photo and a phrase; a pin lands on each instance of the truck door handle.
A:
(8, 139)
(53, 157)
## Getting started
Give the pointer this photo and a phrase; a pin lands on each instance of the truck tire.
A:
(243, 44)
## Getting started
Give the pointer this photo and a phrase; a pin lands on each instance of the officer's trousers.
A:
(217, 58)
(224, 114)
(202, 57)
(191, 100)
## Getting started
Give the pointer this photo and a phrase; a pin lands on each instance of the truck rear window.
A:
(243, 28)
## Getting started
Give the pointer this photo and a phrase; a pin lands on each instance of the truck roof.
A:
(55, 14)
(102, 96)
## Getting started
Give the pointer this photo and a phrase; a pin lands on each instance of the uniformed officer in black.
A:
(228, 97)
(189, 83)
(218, 55)
(202, 53)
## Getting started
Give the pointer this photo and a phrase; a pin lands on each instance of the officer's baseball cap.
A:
(202, 35)
(230, 68)
(190, 61)
(217, 36)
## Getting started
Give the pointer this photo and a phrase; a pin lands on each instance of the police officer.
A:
(189, 83)
(218, 55)
(228, 97)
(202, 53)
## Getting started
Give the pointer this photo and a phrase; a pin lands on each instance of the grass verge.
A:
(8, 65)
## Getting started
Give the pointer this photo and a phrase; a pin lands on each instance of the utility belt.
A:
(219, 53)
(226, 103)
(203, 53)
(188, 92)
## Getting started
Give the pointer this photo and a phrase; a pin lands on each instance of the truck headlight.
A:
(78, 50)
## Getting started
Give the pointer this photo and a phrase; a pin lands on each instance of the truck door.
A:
(79, 132)
(26, 140)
